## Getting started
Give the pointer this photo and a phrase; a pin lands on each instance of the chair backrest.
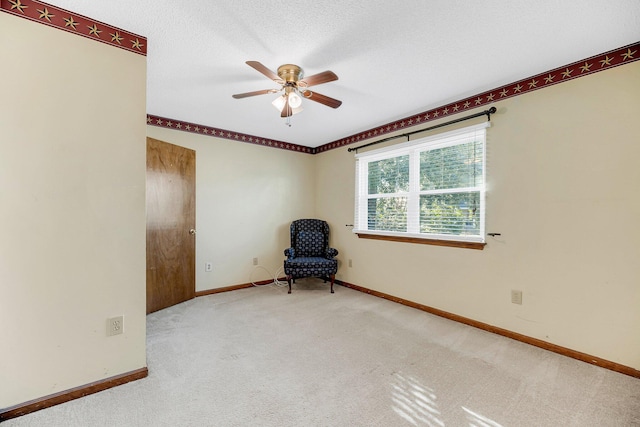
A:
(309, 237)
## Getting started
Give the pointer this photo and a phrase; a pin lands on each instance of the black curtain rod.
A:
(488, 113)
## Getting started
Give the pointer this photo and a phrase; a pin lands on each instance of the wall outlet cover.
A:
(516, 296)
(115, 326)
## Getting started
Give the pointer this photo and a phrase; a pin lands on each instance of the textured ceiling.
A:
(393, 58)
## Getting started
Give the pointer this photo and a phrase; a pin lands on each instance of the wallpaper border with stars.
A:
(62, 19)
(164, 122)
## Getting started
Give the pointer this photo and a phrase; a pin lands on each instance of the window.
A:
(432, 188)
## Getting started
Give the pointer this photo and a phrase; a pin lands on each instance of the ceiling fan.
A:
(290, 77)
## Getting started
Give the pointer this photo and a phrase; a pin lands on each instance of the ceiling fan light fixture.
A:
(294, 100)
(279, 102)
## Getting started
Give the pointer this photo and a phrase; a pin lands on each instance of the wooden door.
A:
(171, 221)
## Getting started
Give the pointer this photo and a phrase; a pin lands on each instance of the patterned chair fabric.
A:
(310, 254)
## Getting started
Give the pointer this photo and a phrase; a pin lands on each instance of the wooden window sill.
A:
(436, 242)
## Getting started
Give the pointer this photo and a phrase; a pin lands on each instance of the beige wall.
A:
(563, 178)
(246, 198)
(72, 213)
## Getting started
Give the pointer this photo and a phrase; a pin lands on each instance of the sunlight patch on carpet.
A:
(477, 420)
(415, 402)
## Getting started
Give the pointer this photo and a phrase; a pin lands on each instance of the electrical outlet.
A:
(350, 263)
(516, 297)
(115, 326)
(255, 261)
(208, 266)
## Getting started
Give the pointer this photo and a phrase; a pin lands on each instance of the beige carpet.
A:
(260, 357)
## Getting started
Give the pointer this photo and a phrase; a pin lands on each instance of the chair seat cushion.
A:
(310, 266)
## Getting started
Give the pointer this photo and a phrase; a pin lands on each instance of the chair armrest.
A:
(289, 253)
(331, 252)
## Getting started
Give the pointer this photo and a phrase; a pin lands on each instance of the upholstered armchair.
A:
(310, 254)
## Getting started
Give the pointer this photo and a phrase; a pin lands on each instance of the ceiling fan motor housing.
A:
(290, 73)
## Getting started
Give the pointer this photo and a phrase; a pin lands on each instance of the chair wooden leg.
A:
(333, 277)
(289, 282)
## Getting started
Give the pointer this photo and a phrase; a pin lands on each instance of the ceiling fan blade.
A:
(257, 92)
(317, 79)
(287, 111)
(322, 99)
(264, 70)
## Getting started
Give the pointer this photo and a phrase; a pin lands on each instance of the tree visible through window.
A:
(387, 206)
(430, 188)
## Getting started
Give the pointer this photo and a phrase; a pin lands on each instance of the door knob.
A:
(192, 231)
